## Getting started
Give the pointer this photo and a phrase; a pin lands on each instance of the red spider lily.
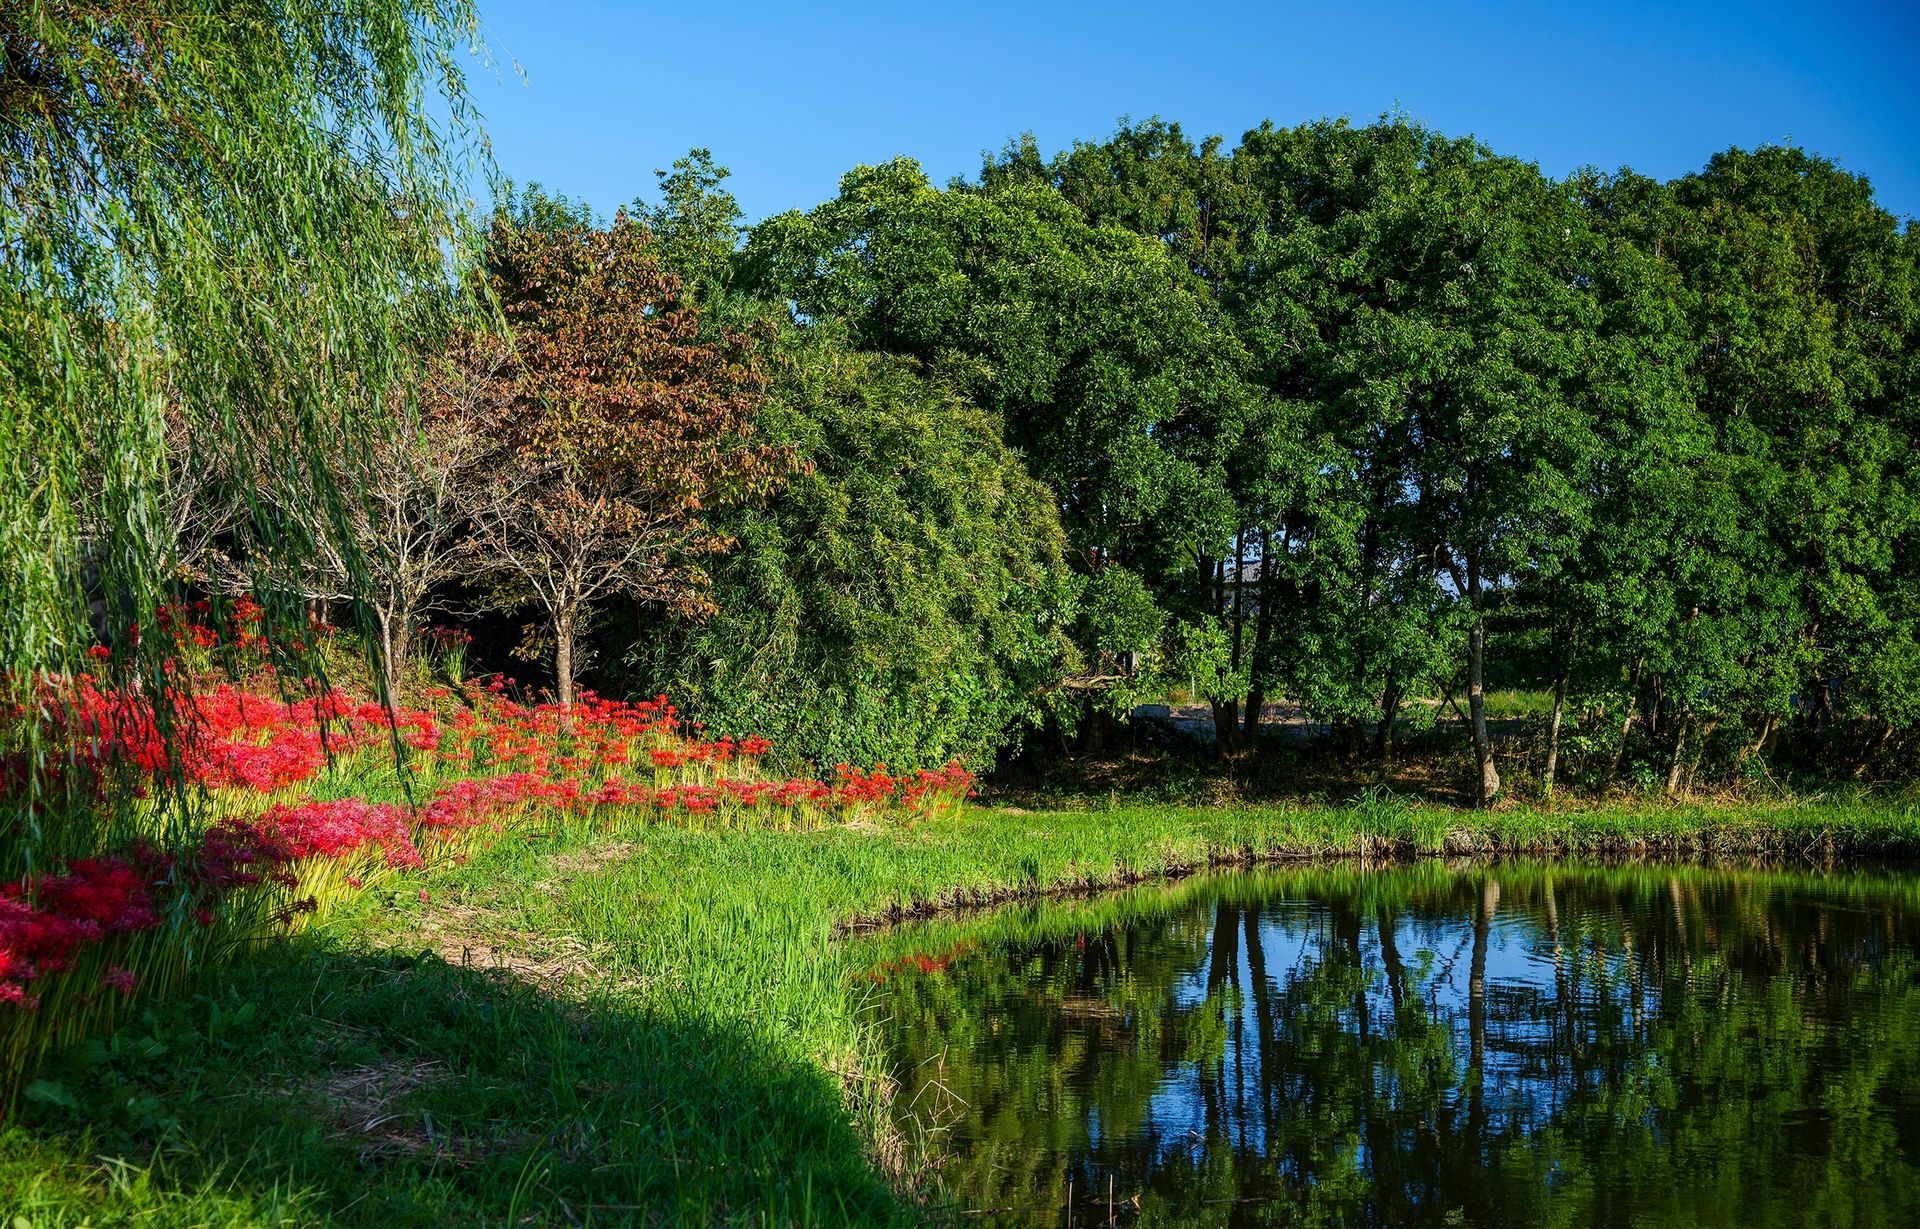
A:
(333, 829)
(920, 962)
(496, 762)
(854, 788)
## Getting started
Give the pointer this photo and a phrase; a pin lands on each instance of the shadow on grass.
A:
(322, 1084)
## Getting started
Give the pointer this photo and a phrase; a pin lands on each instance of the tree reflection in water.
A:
(1512, 1044)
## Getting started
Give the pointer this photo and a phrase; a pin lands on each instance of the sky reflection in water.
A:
(1512, 1044)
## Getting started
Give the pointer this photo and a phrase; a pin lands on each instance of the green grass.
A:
(1510, 703)
(676, 1036)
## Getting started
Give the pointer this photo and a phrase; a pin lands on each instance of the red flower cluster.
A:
(47, 922)
(493, 731)
(919, 962)
(226, 737)
(183, 623)
(235, 854)
(496, 763)
(44, 925)
(953, 781)
(448, 637)
(854, 788)
(338, 828)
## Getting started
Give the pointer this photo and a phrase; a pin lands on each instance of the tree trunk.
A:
(1226, 725)
(1679, 751)
(1700, 749)
(1262, 636)
(1880, 740)
(1353, 735)
(402, 647)
(1553, 733)
(1271, 1089)
(1626, 722)
(1488, 784)
(1477, 1009)
(1390, 956)
(393, 651)
(1228, 732)
(1477, 972)
(1223, 957)
(1389, 712)
(563, 658)
(1223, 971)
(1226, 713)
(1239, 595)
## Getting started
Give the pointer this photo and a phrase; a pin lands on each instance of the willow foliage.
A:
(241, 217)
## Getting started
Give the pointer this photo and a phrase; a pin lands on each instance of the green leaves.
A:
(1087, 341)
(900, 601)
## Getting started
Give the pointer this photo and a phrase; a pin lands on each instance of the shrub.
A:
(902, 602)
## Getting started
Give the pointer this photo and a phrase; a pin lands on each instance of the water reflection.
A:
(1502, 1045)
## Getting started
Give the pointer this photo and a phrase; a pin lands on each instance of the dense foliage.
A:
(1376, 419)
(899, 601)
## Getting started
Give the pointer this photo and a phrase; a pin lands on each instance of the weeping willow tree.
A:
(235, 223)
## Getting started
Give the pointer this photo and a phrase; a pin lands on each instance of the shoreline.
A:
(1751, 855)
(1717, 838)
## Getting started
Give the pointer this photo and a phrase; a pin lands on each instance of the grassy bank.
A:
(662, 1027)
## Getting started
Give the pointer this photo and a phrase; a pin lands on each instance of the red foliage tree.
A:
(616, 424)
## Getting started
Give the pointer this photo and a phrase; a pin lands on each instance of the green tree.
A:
(1445, 313)
(1792, 573)
(1088, 342)
(696, 223)
(901, 601)
(1806, 315)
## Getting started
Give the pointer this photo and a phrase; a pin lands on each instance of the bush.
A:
(903, 602)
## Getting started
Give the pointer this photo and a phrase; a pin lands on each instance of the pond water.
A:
(1487, 1045)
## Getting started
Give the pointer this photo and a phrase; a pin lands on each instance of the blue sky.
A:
(792, 95)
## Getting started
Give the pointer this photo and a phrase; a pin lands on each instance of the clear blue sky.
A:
(791, 95)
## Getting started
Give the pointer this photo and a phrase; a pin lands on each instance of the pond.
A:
(1427, 1044)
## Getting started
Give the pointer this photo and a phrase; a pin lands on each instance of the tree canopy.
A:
(899, 601)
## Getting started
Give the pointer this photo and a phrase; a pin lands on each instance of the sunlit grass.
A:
(676, 1031)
